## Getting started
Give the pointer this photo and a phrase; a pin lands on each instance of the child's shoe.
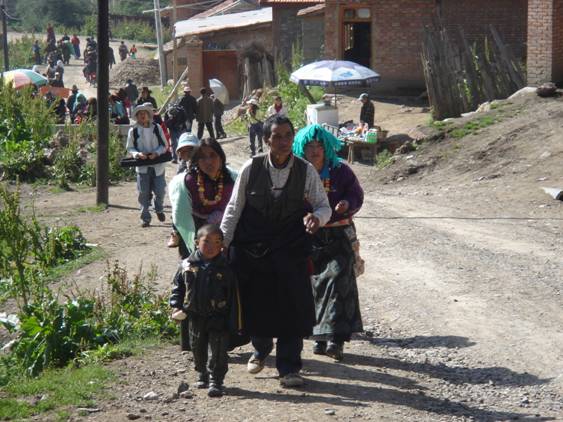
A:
(335, 351)
(319, 348)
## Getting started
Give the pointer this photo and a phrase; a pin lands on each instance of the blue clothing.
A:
(148, 184)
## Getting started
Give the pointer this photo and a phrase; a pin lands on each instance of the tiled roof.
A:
(227, 6)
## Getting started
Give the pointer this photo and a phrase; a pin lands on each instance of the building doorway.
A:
(356, 35)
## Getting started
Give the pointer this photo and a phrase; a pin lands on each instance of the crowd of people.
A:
(268, 252)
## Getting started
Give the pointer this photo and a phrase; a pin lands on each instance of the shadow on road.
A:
(421, 342)
(454, 375)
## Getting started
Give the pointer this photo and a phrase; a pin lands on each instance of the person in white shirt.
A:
(146, 141)
(277, 109)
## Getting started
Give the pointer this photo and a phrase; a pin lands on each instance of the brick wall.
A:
(286, 31)
(396, 32)
(509, 17)
(313, 37)
(237, 39)
(540, 41)
(397, 27)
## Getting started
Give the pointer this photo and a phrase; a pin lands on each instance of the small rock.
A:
(544, 155)
(186, 394)
(142, 410)
(151, 395)
(88, 409)
(165, 413)
(133, 416)
(184, 386)
(330, 412)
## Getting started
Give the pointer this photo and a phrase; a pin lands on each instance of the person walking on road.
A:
(146, 97)
(204, 114)
(218, 111)
(267, 228)
(111, 57)
(189, 103)
(123, 51)
(132, 94)
(75, 41)
(255, 132)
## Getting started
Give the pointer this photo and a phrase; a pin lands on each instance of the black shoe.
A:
(215, 390)
(202, 381)
(319, 348)
(161, 217)
(335, 351)
(145, 224)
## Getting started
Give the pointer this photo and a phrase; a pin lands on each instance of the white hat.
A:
(146, 107)
(187, 139)
(253, 101)
(362, 96)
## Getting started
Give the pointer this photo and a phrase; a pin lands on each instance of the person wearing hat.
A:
(367, 113)
(187, 144)
(254, 126)
(57, 82)
(146, 97)
(146, 140)
(189, 104)
(204, 114)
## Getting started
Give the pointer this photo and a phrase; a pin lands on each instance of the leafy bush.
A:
(68, 165)
(20, 53)
(25, 129)
(28, 250)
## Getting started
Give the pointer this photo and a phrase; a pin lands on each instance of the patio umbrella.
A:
(23, 77)
(333, 74)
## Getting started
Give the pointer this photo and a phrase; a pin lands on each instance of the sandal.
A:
(174, 240)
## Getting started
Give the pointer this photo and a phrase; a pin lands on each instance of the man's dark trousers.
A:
(288, 352)
(208, 125)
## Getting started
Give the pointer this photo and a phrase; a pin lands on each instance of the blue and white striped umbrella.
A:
(334, 73)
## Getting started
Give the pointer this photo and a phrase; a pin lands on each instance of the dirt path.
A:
(461, 305)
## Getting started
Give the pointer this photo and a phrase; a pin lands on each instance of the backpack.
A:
(156, 132)
(176, 117)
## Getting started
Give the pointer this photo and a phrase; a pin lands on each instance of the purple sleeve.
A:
(352, 191)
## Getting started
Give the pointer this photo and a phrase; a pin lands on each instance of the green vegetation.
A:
(472, 127)
(139, 31)
(34, 15)
(135, 7)
(384, 159)
(20, 53)
(54, 389)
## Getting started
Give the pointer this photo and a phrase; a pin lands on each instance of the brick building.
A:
(386, 35)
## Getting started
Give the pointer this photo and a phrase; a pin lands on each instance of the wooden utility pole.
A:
(5, 33)
(102, 156)
(174, 43)
(158, 28)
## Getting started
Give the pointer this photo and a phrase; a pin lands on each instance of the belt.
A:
(340, 223)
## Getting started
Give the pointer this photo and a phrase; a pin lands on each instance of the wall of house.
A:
(509, 17)
(541, 46)
(286, 31)
(239, 39)
(397, 27)
(313, 37)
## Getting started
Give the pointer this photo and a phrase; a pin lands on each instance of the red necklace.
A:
(201, 190)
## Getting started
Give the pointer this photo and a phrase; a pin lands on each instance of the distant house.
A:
(386, 35)
(212, 44)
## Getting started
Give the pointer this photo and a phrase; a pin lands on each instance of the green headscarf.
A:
(330, 142)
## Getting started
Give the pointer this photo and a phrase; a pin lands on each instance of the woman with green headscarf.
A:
(334, 280)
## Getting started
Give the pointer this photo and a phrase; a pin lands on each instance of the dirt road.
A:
(461, 302)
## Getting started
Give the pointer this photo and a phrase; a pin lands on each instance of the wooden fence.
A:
(460, 76)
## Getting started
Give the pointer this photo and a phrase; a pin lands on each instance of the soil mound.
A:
(141, 71)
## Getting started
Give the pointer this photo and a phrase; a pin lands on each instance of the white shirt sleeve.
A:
(236, 205)
(316, 195)
(130, 144)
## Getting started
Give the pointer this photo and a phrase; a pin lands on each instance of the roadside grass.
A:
(94, 254)
(92, 208)
(472, 127)
(56, 390)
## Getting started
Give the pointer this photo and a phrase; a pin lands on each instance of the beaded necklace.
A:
(201, 190)
(326, 184)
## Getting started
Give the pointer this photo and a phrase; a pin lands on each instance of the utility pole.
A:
(174, 43)
(102, 158)
(158, 27)
(5, 33)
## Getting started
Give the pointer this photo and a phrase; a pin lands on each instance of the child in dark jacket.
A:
(206, 293)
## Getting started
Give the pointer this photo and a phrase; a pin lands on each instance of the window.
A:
(363, 13)
(183, 61)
